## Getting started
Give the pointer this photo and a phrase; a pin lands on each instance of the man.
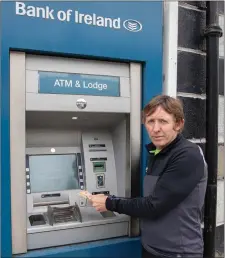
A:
(174, 186)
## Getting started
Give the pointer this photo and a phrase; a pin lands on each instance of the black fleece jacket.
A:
(179, 166)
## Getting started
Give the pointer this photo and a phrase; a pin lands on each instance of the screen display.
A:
(53, 173)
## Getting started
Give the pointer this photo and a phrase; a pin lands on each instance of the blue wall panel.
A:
(68, 38)
(114, 248)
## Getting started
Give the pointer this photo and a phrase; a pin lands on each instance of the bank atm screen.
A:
(50, 173)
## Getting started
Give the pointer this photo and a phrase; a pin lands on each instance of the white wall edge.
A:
(170, 30)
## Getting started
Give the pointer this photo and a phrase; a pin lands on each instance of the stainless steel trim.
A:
(17, 152)
(135, 136)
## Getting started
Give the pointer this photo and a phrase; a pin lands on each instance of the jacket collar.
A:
(150, 147)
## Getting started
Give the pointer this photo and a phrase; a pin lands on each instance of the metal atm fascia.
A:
(62, 216)
(25, 100)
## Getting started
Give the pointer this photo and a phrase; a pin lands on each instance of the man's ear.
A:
(179, 125)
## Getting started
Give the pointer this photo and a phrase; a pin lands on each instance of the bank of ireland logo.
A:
(132, 25)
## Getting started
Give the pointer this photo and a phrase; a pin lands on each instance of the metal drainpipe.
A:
(212, 34)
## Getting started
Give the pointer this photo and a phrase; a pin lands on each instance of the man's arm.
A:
(183, 174)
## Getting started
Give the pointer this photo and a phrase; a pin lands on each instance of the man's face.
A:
(161, 128)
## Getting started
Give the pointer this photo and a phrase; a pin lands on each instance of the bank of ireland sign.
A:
(77, 17)
(78, 84)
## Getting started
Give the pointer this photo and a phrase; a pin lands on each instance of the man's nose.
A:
(156, 127)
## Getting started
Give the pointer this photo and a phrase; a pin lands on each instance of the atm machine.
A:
(75, 125)
(56, 213)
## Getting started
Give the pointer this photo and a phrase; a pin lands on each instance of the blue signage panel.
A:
(120, 31)
(78, 84)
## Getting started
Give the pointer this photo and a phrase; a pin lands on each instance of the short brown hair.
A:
(171, 105)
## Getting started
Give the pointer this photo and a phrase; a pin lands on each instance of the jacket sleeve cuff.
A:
(111, 203)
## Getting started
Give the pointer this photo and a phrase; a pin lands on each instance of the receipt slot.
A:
(75, 125)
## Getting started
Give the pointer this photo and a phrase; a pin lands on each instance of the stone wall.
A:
(191, 88)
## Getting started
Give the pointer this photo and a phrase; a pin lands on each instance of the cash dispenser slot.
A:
(50, 199)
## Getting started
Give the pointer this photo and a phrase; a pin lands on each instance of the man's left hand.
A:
(98, 202)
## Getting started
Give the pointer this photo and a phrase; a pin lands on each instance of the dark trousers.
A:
(145, 254)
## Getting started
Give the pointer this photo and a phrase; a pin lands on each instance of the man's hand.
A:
(85, 194)
(97, 201)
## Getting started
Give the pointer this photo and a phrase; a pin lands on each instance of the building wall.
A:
(191, 87)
